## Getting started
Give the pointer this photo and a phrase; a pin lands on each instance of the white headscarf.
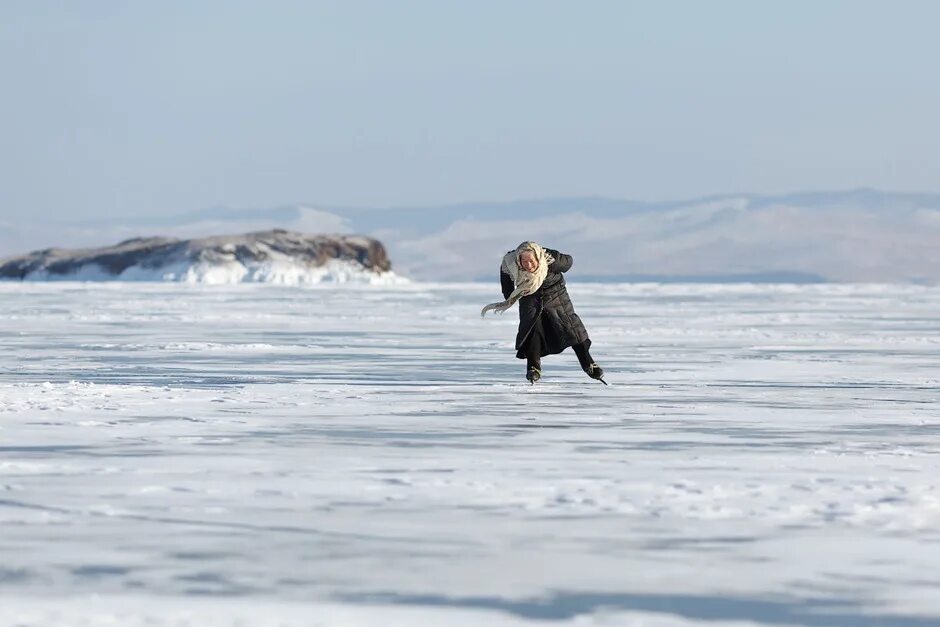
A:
(525, 282)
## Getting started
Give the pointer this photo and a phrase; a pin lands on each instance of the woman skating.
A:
(548, 324)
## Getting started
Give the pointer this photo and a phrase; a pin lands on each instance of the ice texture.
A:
(176, 454)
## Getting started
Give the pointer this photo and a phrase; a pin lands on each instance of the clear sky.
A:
(143, 108)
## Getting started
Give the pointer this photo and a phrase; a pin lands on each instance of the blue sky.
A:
(150, 108)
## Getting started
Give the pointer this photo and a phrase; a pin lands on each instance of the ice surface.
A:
(176, 454)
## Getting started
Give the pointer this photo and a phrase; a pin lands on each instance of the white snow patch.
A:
(278, 269)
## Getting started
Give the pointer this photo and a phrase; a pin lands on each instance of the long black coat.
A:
(547, 321)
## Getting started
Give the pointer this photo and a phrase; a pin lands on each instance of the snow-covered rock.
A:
(274, 256)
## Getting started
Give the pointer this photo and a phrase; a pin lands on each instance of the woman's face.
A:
(528, 262)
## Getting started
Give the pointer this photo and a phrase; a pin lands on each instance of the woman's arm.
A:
(506, 282)
(562, 261)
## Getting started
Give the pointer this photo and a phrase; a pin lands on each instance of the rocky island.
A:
(275, 256)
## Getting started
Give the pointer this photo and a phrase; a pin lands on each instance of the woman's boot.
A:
(533, 369)
(587, 363)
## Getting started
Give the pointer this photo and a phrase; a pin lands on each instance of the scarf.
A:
(525, 283)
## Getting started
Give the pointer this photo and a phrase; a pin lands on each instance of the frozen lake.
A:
(191, 455)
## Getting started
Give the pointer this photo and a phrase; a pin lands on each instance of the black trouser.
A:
(581, 350)
(584, 356)
(532, 359)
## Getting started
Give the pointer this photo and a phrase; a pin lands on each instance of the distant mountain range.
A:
(855, 235)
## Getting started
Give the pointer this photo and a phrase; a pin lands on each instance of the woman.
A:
(532, 275)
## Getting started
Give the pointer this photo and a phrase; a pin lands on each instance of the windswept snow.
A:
(283, 271)
(176, 454)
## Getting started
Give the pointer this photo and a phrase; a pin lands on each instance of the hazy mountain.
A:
(857, 235)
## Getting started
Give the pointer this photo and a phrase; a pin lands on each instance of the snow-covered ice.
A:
(279, 271)
(176, 454)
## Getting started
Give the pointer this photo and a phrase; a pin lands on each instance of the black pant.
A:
(581, 350)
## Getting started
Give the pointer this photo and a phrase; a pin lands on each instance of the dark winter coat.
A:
(547, 321)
